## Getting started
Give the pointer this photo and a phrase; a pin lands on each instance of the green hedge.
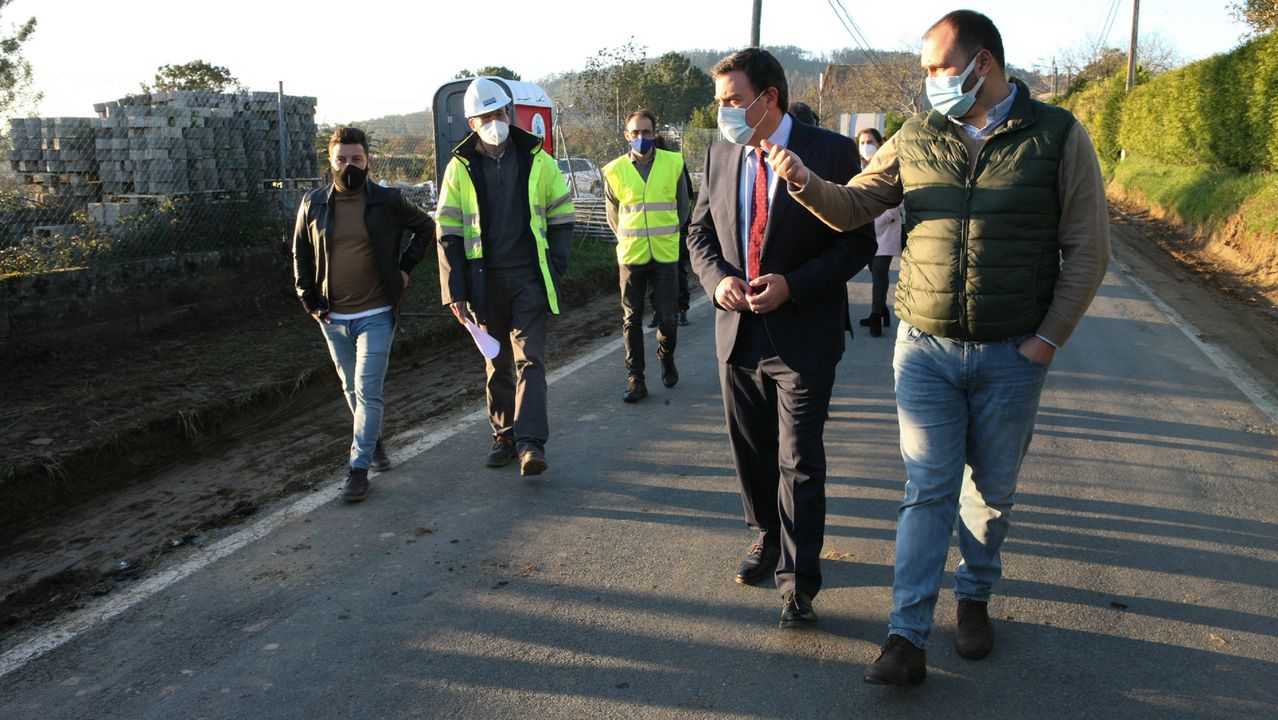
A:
(1218, 111)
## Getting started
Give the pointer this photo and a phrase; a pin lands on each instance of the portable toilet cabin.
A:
(530, 111)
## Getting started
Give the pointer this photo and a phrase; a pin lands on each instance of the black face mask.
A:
(351, 178)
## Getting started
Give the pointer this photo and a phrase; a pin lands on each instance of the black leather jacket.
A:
(387, 214)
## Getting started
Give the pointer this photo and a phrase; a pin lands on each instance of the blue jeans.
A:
(966, 411)
(361, 352)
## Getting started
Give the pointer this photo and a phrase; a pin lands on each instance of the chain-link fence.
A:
(161, 174)
(151, 175)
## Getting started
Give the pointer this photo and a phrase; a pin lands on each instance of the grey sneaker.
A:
(380, 461)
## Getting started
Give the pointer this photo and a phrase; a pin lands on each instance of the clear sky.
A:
(377, 57)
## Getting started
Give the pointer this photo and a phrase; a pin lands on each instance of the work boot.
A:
(355, 488)
(636, 389)
(669, 373)
(683, 318)
(532, 462)
(503, 451)
(900, 663)
(974, 638)
(381, 461)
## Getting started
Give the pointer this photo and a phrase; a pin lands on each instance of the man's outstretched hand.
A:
(786, 164)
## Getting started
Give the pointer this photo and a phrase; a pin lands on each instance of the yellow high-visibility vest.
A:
(647, 212)
(548, 198)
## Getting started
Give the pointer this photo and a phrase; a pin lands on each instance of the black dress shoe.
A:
(974, 638)
(900, 663)
(669, 373)
(355, 488)
(759, 563)
(798, 611)
(636, 390)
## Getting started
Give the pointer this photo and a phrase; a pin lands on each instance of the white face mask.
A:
(946, 93)
(494, 132)
(733, 125)
(868, 149)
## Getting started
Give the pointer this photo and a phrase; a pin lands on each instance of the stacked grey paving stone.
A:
(168, 143)
(56, 155)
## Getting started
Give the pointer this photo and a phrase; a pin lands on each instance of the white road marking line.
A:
(1233, 367)
(87, 618)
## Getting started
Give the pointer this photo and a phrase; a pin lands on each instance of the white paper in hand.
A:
(486, 343)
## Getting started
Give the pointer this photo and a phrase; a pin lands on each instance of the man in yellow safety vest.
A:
(647, 195)
(504, 223)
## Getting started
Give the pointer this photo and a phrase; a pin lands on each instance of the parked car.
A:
(583, 176)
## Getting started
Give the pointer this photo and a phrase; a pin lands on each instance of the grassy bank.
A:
(1208, 197)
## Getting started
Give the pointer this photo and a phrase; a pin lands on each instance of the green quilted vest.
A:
(981, 260)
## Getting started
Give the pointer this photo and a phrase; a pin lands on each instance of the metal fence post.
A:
(279, 103)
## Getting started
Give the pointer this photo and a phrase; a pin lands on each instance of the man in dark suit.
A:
(778, 279)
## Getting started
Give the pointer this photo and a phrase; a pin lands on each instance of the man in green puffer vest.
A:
(647, 196)
(1009, 242)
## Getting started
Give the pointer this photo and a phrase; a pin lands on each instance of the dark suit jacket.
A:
(817, 261)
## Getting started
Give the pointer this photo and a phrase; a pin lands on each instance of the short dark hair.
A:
(761, 69)
(643, 112)
(804, 114)
(878, 138)
(973, 32)
(348, 136)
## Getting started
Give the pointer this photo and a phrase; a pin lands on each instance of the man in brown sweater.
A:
(1009, 242)
(350, 275)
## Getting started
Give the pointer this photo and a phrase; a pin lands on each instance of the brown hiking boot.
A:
(900, 663)
(974, 638)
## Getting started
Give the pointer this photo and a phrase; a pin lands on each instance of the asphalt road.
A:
(1140, 575)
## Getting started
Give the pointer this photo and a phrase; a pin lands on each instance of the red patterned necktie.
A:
(758, 216)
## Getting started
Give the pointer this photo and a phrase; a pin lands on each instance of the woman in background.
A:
(888, 230)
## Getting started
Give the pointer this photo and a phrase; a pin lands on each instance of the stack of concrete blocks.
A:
(167, 143)
(57, 156)
(179, 142)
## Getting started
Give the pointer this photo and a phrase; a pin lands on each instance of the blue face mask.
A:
(946, 93)
(641, 145)
(733, 125)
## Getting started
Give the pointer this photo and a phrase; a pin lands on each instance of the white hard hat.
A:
(484, 96)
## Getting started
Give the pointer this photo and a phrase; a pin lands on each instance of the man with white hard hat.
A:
(505, 220)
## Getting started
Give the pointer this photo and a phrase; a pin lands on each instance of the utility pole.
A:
(1131, 49)
(754, 23)
(1054, 76)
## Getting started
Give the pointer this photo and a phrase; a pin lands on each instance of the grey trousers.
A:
(635, 280)
(516, 308)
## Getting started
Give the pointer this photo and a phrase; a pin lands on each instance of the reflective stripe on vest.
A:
(549, 201)
(647, 212)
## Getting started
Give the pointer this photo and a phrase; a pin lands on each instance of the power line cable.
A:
(1109, 23)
